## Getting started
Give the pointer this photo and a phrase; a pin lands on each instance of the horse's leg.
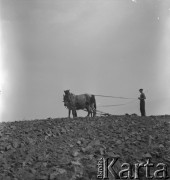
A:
(88, 110)
(93, 113)
(93, 105)
(69, 111)
(91, 110)
(74, 113)
(94, 110)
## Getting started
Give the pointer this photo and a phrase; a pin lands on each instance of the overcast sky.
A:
(108, 47)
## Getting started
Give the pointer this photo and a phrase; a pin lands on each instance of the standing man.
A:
(142, 102)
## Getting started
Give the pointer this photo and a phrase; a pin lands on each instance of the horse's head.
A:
(66, 97)
(65, 100)
(67, 92)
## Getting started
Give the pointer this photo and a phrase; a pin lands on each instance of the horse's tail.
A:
(93, 101)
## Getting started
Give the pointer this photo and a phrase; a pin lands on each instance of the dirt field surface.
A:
(70, 149)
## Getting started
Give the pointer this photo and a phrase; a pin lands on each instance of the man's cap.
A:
(140, 89)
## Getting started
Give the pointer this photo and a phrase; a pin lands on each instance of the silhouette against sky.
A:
(112, 48)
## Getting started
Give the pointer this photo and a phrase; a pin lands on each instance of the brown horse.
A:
(76, 102)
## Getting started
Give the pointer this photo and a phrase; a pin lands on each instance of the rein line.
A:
(116, 97)
(117, 104)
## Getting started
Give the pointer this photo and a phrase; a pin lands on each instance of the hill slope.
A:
(69, 149)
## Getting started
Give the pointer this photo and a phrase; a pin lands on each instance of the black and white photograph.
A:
(84, 89)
